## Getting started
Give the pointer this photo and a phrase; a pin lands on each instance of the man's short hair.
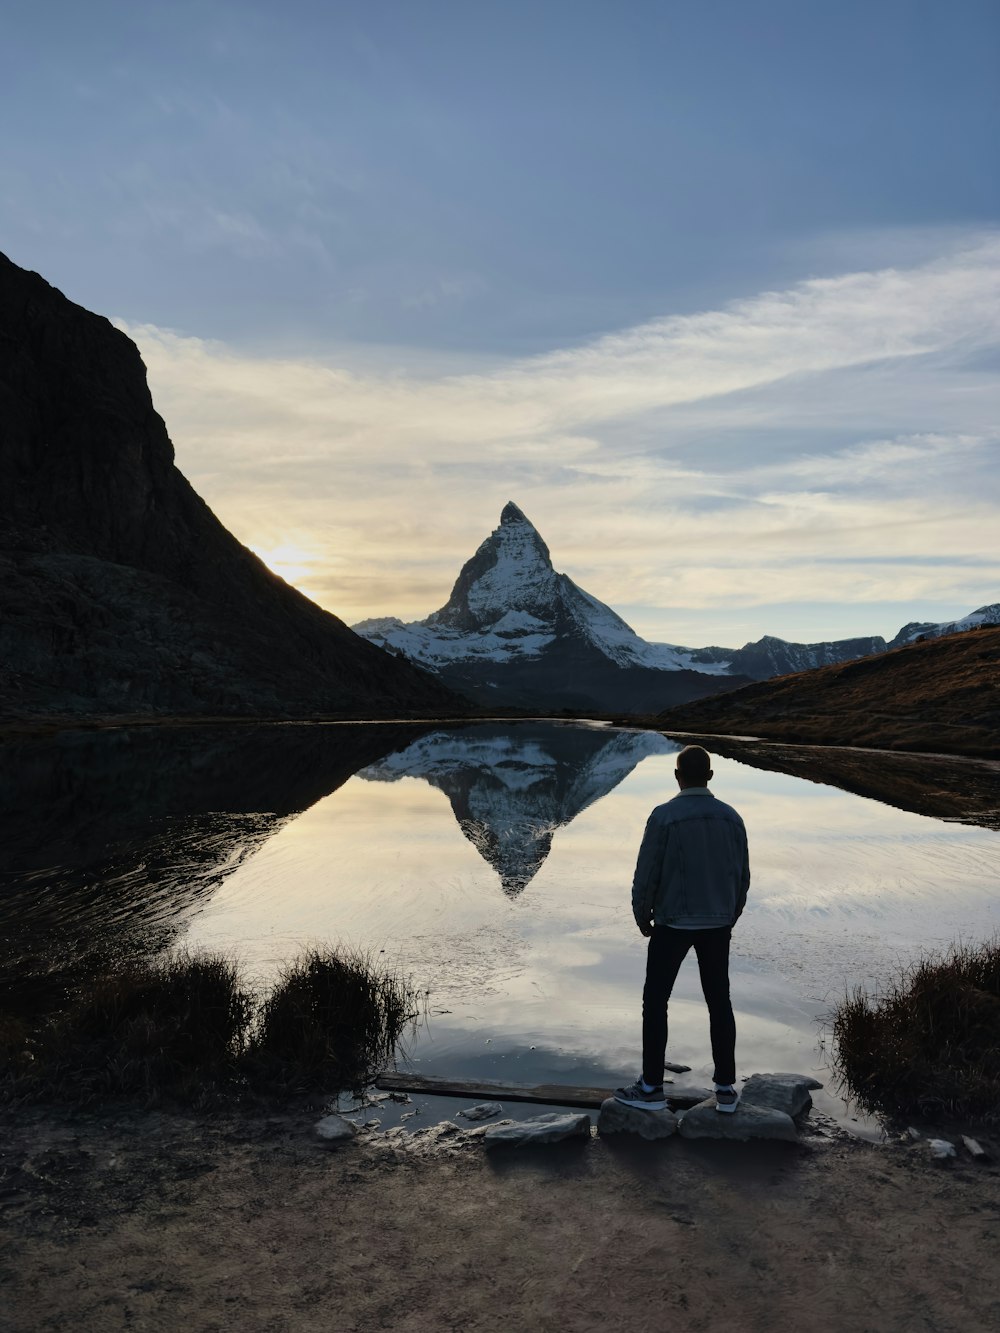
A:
(694, 764)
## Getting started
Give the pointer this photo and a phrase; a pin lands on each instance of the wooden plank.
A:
(554, 1094)
(490, 1090)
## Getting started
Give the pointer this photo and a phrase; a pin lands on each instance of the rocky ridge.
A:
(916, 631)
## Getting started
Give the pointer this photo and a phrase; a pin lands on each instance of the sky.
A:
(711, 291)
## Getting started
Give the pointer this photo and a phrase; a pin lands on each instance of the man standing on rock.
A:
(690, 886)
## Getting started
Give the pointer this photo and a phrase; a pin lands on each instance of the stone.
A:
(480, 1131)
(673, 1068)
(550, 1128)
(684, 1094)
(941, 1150)
(617, 1118)
(333, 1130)
(975, 1149)
(780, 1092)
(746, 1122)
(445, 1127)
(481, 1111)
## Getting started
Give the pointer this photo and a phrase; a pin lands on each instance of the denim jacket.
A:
(693, 869)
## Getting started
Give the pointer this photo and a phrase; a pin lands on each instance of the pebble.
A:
(481, 1111)
(941, 1149)
(334, 1130)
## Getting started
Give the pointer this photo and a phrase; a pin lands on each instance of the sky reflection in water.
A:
(531, 959)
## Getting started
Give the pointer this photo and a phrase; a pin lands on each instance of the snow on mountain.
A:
(515, 631)
(618, 641)
(510, 791)
(984, 615)
(509, 603)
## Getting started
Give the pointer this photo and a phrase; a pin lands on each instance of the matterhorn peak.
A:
(510, 572)
(511, 514)
(514, 629)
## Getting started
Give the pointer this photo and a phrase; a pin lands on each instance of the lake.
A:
(490, 863)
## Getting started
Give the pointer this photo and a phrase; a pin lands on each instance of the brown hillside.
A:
(940, 696)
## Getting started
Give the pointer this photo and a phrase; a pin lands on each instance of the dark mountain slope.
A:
(120, 591)
(939, 696)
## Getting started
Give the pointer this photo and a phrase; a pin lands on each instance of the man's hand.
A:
(645, 930)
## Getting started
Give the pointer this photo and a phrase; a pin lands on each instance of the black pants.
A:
(667, 947)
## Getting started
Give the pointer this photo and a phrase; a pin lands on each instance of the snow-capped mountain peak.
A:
(511, 572)
(509, 605)
(510, 513)
(926, 629)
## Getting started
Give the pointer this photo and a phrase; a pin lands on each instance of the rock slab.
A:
(334, 1130)
(617, 1118)
(550, 1128)
(746, 1122)
(685, 1094)
(779, 1092)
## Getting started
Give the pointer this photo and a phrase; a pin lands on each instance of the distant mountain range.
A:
(516, 632)
(120, 591)
(940, 695)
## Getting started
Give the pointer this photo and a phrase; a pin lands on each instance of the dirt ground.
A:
(155, 1221)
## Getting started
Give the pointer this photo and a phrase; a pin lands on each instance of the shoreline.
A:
(964, 787)
(235, 1218)
(49, 724)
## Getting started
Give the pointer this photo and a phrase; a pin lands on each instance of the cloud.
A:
(750, 455)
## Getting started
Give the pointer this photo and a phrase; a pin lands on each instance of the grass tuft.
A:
(151, 1029)
(186, 1028)
(929, 1044)
(333, 1020)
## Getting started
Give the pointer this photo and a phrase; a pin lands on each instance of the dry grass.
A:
(929, 1044)
(174, 1027)
(334, 1019)
(186, 1028)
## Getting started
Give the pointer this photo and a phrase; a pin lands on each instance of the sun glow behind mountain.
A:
(293, 563)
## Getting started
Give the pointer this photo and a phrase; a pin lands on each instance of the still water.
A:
(491, 864)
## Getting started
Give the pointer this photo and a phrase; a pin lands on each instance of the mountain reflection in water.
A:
(511, 788)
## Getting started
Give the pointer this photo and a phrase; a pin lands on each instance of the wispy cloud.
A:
(752, 455)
